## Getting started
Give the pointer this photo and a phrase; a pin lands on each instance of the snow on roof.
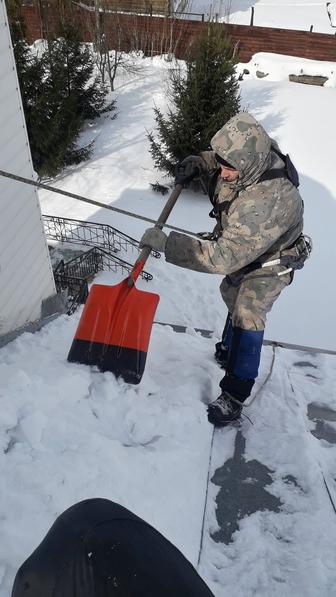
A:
(69, 432)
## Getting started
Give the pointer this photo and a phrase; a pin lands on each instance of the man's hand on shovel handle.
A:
(154, 238)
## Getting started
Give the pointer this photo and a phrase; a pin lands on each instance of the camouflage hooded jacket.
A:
(261, 218)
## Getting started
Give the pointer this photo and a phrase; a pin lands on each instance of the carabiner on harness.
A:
(293, 257)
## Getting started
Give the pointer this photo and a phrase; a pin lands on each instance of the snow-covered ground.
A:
(278, 552)
(277, 67)
(288, 14)
(68, 432)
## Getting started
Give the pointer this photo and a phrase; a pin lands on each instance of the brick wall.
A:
(155, 35)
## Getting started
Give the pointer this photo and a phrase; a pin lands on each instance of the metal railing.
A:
(86, 265)
(97, 259)
(113, 263)
(76, 289)
(73, 276)
(93, 234)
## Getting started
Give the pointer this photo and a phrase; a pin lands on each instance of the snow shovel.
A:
(114, 330)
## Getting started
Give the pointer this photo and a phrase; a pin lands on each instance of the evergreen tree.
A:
(69, 94)
(203, 97)
(59, 92)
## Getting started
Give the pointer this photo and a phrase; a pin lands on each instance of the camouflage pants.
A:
(251, 299)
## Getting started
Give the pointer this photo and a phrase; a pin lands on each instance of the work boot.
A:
(224, 410)
(221, 354)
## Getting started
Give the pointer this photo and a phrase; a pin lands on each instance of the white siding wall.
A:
(25, 271)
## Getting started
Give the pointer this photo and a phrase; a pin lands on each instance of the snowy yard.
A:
(68, 432)
(288, 14)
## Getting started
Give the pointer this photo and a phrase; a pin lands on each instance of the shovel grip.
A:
(163, 217)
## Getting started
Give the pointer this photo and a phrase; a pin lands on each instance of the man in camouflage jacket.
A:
(259, 213)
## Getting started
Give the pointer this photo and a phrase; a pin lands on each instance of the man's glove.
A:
(154, 238)
(188, 169)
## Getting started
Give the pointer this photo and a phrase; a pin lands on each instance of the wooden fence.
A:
(155, 35)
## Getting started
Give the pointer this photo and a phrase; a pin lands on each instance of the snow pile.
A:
(277, 67)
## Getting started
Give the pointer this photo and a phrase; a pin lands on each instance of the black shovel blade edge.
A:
(127, 363)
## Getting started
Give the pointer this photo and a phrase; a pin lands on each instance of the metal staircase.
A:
(72, 276)
(93, 234)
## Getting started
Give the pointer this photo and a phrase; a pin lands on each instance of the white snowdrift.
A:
(278, 67)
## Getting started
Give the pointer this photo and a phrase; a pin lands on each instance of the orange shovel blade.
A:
(114, 330)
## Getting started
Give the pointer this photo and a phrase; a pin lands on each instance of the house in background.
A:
(27, 288)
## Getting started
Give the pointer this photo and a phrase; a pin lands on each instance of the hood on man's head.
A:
(244, 143)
